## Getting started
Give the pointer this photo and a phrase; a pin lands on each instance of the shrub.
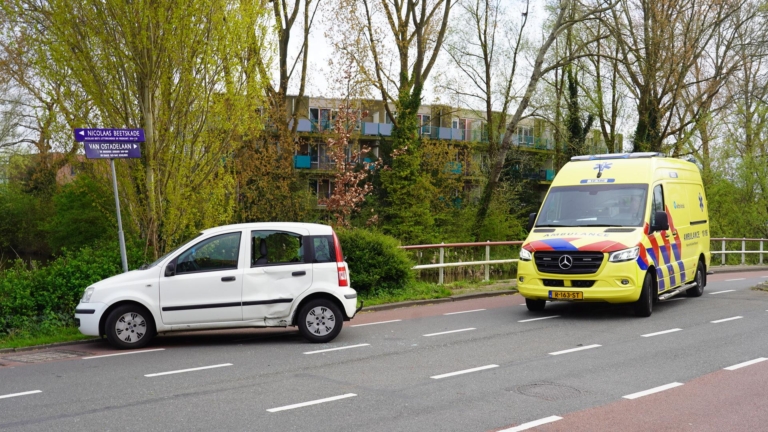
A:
(40, 296)
(376, 263)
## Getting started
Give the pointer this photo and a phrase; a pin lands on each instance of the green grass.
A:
(429, 291)
(25, 339)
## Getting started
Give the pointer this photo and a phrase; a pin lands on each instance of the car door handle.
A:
(299, 273)
(228, 279)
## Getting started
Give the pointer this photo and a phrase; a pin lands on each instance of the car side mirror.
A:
(660, 222)
(531, 221)
(170, 269)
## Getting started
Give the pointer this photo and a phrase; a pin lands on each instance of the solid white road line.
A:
(764, 276)
(188, 370)
(661, 332)
(727, 319)
(456, 313)
(336, 349)
(314, 402)
(374, 323)
(452, 331)
(20, 394)
(574, 349)
(539, 422)
(747, 363)
(653, 390)
(734, 280)
(461, 372)
(720, 292)
(537, 319)
(123, 353)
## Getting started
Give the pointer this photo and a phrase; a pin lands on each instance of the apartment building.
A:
(465, 130)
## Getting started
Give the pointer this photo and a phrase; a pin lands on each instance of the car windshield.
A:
(605, 205)
(159, 260)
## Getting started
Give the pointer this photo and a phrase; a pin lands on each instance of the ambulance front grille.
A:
(581, 262)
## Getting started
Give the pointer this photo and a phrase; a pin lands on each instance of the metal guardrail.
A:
(441, 265)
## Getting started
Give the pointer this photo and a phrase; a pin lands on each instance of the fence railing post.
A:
(488, 258)
(761, 252)
(743, 245)
(442, 270)
(722, 255)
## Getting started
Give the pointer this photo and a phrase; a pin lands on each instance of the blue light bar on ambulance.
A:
(617, 156)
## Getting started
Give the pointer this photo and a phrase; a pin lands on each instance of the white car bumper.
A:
(87, 315)
(350, 302)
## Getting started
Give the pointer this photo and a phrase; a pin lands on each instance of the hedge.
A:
(376, 263)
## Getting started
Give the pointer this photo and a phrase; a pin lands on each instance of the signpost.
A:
(112, 144)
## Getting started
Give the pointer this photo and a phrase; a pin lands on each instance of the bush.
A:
(38, 297)
(376, 263)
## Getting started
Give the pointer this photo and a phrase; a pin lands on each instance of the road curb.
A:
(46, 346)
(390, 306)
(737, 269)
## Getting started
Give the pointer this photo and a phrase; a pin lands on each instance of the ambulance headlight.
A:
(525, 255)
(625, 255)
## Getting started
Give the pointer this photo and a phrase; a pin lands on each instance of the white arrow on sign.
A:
(134, 146)
(82, 133)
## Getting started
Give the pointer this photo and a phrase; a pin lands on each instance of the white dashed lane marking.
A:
(747, 363)
(337, 349)
(314, 402)
(448, 332)
(461, 372)
(123, 353)
(468, 311)
(537, 319)
(20, 394)
(727, 319)
(575, 349)
(188, 370)
(533, 424)
(734, 280)
(662, 332)
(720, 292)
(374, 323)
(653, 390)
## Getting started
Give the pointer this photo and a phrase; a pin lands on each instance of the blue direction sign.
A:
(109, 135)
(111, 150)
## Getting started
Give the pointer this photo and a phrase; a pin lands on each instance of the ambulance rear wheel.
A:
(644, 305)
(535, 305)
(698, 290)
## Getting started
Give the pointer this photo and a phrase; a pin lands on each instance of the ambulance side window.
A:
(658, 202)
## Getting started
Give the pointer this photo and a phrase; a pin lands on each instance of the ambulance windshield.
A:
(596, 205)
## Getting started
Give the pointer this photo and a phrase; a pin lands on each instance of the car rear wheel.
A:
(129, 326)
(644, 305)
(535, 305)
(698, 290)
(320, 321)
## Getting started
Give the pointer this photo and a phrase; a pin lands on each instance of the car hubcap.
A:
(320, 321)
(130, 327)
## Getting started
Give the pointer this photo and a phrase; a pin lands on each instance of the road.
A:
(475, 365)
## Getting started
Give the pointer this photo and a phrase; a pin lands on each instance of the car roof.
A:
(314, 229)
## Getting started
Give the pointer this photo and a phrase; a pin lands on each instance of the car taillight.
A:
(340, 266)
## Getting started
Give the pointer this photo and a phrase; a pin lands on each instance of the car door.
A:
(662, 251)
(206, 283)
(278, 272)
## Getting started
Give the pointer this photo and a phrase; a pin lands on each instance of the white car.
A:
(246, 275)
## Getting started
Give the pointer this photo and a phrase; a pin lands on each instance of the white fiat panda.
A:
(246, 275)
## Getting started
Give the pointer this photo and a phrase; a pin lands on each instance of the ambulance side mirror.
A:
(660, 222)
(531, 221)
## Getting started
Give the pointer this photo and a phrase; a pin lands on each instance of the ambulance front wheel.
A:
(644, 305)
(535, 305)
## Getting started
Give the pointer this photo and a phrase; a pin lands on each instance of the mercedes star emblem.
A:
(565, 262)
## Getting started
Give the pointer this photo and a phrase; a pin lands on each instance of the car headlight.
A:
(87, 295)
(525, 255)
(625, 255)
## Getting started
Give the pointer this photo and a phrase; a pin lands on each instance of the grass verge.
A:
(52, 335)
(430, 291)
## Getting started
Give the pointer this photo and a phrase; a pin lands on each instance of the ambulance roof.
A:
(624, 168)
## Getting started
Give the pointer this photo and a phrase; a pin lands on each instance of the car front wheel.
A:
(320, 321)
(129, 326)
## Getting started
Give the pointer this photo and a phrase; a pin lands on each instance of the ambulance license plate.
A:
(566, 295)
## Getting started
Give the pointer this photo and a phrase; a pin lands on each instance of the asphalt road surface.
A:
(476, 365)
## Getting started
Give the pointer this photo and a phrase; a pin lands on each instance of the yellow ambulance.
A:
(618, 228)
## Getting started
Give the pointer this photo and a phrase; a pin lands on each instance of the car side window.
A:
(216, 253)
(658, 202)
(276, 247)
(322, 247)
